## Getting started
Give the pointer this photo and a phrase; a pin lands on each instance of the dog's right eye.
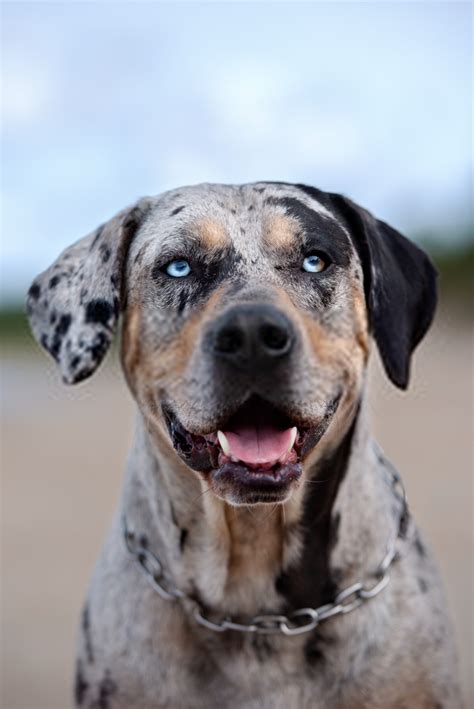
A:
(179, 268)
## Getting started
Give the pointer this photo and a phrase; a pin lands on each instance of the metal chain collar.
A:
(299, 621)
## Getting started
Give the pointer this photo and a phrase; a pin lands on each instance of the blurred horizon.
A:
(106, 102)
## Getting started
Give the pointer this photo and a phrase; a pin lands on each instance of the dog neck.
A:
(247, 560)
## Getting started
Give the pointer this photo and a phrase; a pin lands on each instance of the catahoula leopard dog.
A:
(263, 554)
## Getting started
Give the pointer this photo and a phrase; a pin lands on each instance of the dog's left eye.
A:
(313, 264)
(178, 268)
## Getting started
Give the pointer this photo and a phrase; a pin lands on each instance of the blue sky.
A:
(104, 102)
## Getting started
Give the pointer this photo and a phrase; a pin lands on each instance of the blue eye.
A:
(178, 269)
(313, 264)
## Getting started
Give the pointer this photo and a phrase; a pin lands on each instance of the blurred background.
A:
(105, 102)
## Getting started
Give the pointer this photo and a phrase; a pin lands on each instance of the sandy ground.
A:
(63, 452)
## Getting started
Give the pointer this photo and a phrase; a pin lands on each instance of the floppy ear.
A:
(400, 288)
(74, 305)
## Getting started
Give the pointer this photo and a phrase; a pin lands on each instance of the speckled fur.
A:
(138, 651)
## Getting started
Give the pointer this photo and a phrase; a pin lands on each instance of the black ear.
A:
(74, 305)
(400, 287)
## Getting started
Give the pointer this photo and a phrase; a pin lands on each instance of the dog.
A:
(263, 554)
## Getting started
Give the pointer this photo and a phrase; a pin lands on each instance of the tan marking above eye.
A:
(212, 234)
(280, 231)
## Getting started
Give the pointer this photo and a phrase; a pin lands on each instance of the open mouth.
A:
(255, 456)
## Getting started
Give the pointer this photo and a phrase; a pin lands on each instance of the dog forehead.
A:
(250, 218)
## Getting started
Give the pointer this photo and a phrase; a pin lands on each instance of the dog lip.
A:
(277, 475)
(238, 482)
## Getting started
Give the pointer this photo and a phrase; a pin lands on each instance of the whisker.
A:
(267, 517)
(193, 502)
(250, 511)
(316, 482)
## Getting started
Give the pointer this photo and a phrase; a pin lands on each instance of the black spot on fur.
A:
(75, 362)
(317, 646)
(419, 547)
(82, 374)
(423, 586)
(143, 541)
(327, 296)
(259, 189)
(234, 211)
(313, 652)
(183, 300)
(99, 311)
(80, 684)
(404, 520)
(86, 629)
(105, 252)
(251, 207)
(99, 346)
(60, 331)
(52, 317)
(176, 211)
(63, 325)
(139, 257)
(107, 689)
(263, 647)
(182, 538)
(97, 236)
(35, 291)
(53, 282)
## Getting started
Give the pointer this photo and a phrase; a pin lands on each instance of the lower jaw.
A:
(235, 483)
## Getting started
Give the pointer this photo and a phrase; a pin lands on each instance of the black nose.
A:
(252, 336)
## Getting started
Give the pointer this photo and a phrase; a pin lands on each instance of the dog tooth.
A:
(294, 433)
(224, 443)
(283, 458)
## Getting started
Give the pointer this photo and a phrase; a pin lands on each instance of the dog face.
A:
(248, 314)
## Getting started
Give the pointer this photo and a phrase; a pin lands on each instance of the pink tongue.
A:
(257, 445)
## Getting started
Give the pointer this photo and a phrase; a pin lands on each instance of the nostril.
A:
(230, 340)
(275, 338)
(250, 336)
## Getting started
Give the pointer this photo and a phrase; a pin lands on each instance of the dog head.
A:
(248, 317)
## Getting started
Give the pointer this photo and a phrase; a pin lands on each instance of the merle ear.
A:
(74, 305)
(400, 285)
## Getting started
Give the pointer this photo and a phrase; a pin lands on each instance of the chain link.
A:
(151, 567)
(297, 622)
